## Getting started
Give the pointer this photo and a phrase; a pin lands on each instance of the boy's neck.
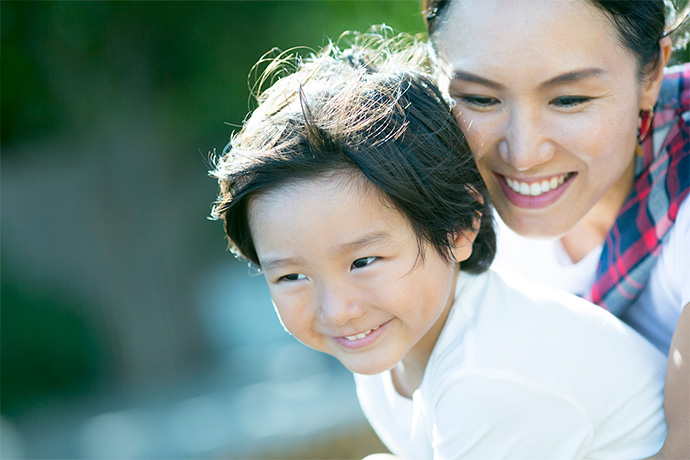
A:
(408, 374)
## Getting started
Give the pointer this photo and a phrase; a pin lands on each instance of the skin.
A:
(532, 116)
(550, 95)
(338, 271)
(677, 393)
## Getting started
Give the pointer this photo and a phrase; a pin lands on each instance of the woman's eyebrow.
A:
(472, 78)
(574, 76)
(568, 77)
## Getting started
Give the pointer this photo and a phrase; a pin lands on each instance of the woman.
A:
(583, 141)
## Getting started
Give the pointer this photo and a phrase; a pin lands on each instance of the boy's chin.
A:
(365, 369)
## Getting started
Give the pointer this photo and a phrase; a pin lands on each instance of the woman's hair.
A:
(371, 109)
(640, 25)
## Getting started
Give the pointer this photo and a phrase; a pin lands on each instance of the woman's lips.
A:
(361, 339)
(534, 194)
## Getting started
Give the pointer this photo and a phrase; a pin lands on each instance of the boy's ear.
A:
(463, 240)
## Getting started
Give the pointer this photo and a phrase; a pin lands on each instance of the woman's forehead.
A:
(508, 21)
(554, 36)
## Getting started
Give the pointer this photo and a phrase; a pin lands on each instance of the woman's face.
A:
(549, 100)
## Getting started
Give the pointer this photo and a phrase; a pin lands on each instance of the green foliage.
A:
(64, 62)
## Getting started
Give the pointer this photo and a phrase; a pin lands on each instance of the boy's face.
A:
(343, 271)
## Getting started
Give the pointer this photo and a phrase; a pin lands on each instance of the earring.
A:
(644, 129)
(645, 124)
(254, 270)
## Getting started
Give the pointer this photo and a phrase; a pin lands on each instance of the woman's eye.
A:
(292, 277)
(477, 101)
(363, 262)
(570, 101)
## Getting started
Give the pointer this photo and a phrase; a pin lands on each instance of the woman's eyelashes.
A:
(476, 100)
(485, 102)
(570, 101)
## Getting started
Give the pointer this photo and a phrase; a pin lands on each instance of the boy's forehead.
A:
(323, 217)
(337, 180)
(329, 190)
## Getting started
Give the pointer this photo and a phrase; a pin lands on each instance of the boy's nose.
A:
(339, 305)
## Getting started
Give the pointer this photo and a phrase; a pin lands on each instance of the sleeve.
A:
(498, 416)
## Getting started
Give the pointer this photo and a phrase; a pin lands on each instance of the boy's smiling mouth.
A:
(361, 335)
(362, 339)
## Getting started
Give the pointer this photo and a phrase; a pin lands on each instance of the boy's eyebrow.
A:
(363, 241)
(371, 238)
(271, 264)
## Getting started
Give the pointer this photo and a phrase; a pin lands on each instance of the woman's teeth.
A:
(361, 335)
(537, 188)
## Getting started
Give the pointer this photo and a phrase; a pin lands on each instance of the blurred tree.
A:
(63, 61)
(108, 112)
(49, 352)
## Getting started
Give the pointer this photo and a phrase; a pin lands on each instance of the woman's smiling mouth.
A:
(536, 188)
(534, 194)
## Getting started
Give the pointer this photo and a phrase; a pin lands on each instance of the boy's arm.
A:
(677, 393)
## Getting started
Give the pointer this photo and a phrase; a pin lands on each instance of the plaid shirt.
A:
(662, 182)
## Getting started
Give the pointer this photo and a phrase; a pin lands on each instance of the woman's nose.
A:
(525, 144)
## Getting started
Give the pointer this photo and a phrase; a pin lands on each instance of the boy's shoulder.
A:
(520, 327)
(504, 295)
(514, 306)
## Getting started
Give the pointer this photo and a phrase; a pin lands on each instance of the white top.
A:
(525, 372)
(654, 314)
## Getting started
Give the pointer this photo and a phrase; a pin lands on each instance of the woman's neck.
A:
(592, 229)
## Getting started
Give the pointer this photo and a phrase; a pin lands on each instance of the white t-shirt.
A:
(525, 372)
(654, 314)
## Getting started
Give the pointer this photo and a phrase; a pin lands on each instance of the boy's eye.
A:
(570, 101)
(292, 277)
(476, 101)
(363, 262)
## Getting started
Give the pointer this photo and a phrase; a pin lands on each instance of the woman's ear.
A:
(652, 85)
(463, 240)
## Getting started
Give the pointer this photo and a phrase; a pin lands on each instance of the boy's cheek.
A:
(277, 309)
(292, 319)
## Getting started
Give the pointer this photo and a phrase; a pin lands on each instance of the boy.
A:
(352, 187)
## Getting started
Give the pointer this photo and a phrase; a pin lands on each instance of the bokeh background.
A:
(127, 329)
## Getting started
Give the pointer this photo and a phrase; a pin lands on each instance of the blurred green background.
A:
(127, 330)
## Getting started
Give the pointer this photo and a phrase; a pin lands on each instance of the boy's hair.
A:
(372, 109)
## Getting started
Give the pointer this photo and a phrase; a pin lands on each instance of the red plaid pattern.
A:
(662, 182)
